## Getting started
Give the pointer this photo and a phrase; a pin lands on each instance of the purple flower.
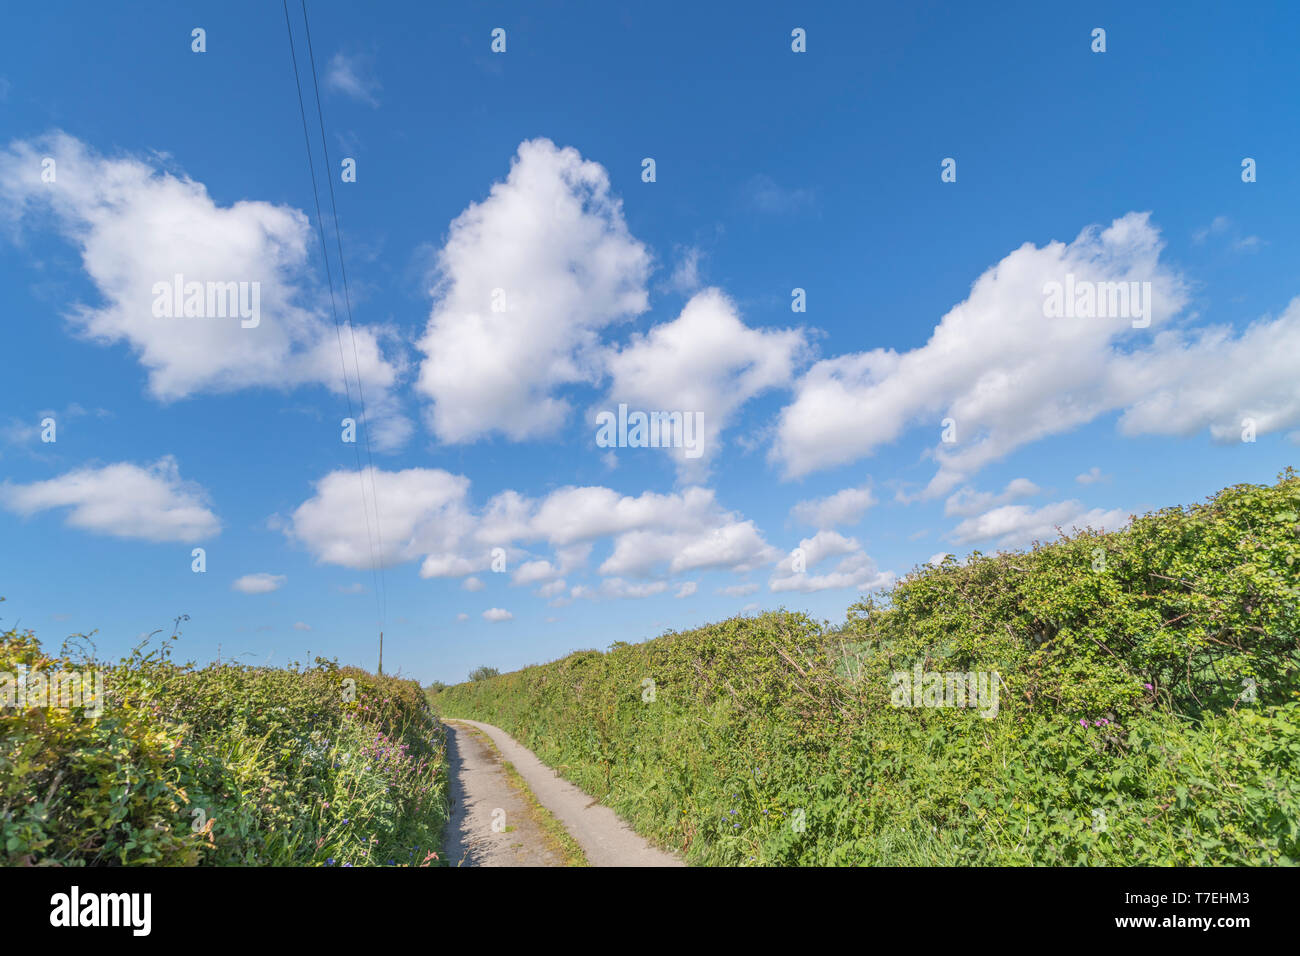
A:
(1148, 687)
(1083, 722)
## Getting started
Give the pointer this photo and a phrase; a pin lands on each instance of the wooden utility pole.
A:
(381, 653)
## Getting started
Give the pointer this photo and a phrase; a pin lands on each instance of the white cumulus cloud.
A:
(707, 361)
(426, 515)
(844, 508)
(136, 223)
(525, 282)
(1003, 371)
(124, 500)
(1017, 526)
(855, 569)
(967, 501)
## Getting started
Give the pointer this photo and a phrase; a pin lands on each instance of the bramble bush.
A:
(1149, 709)
(222, 765)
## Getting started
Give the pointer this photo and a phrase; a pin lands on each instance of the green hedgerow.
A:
(220, 765)
(1148, 709)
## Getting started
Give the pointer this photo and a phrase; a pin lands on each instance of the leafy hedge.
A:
(1149, 709)
(224, 765)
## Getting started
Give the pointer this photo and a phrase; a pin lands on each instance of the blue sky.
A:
(522, 171)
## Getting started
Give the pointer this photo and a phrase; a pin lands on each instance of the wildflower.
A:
(1083, 722)
(1148, 687)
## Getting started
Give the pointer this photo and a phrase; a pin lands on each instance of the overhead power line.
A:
(376, 567)
(347, 299)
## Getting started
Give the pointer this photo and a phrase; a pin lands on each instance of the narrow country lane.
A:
(482, 794)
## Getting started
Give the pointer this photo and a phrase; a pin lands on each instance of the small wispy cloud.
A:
(1091, 476)
(686, 276)
(20, 431)
(739, 590)
(764, 194)
(351, 76)
(1224, 229)
(260, 583)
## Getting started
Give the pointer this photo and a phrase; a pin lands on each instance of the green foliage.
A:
(483, 673)
(1149, 711)
(225, 765)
